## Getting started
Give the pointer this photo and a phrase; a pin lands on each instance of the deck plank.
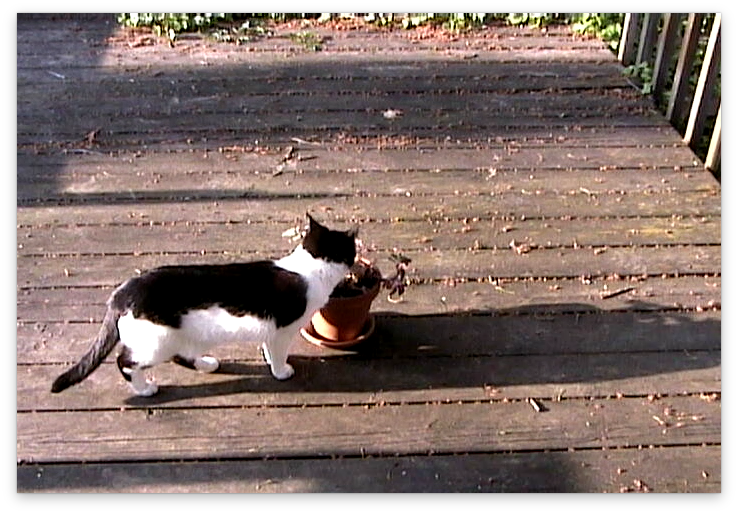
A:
(490, 334)
(220, 237)
(326, 431)
(685, 469)
(454, 264)
(360, 379)
(566, 247)
(81, 305)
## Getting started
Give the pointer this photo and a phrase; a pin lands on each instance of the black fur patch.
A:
(330, 245)
(125, 362)
(185, 362)
(263, 289)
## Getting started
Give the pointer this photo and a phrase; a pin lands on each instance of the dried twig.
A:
(536, 406)
(613, 294)
(303, 142)
(520, 248)
(288, 155)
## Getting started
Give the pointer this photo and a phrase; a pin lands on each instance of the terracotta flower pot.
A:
(345, 320)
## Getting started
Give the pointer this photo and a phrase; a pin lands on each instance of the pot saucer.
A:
(311, 336)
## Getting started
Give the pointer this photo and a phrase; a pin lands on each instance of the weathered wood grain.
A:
(493, 333)
(689, 293)
(508, 164)
(562, 103)
(686, 469)
(358, 430)
(310, 173)
(246, 206)
(459, 264)
(421, 139)
(325, 379)
(193, 237)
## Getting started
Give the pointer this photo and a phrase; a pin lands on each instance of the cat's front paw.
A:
(284, 373)
(149, 389)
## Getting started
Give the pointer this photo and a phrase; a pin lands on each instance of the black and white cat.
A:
(179, 313)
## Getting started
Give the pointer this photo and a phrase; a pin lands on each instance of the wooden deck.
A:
(566, 248)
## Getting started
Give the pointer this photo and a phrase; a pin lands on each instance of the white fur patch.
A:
(214, 326)
(322, 277)
(144, 338)
(200, 331)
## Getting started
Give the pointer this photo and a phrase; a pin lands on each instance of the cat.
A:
(178, 313)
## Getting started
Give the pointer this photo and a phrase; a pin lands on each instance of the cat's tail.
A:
(100, 348)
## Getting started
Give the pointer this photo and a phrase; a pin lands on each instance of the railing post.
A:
(648, 38)
(704, 92)
(629, 38)
(664, 52)
(675, 110)
(712, 162)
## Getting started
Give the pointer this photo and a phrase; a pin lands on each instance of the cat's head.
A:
(330, 245)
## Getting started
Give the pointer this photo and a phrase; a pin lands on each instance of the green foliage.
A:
(463, 21)
(240, 28)
(171, 24)
(535, 19)
(309, 40)
(643, 75)
(247, 31)
(606, 26)
(450, 21)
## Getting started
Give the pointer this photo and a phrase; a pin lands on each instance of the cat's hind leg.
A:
(203, 363)
(135, 375)
(141, 385)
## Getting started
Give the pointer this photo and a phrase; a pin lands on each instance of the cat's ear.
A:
(353, 232)
(314, 225)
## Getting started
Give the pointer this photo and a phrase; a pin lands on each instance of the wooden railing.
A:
(668, 48)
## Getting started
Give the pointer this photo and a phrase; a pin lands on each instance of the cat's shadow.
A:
(313, 375)
(580, 344)
(252, 377)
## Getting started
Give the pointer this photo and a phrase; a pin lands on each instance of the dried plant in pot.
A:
(346, 320)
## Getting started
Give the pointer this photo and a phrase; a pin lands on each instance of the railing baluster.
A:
(649, 31)
(665, 51)
(705, 90)
(687, 109)
(712, 162)
(629, 39)
(676, 107)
